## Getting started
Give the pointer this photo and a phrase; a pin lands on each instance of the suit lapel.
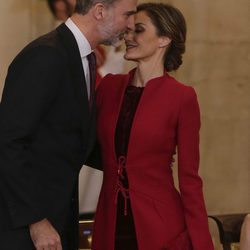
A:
(77, 74)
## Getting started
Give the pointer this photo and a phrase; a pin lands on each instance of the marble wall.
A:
(217, 64)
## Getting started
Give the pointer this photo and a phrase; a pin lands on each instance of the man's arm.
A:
(31, 86)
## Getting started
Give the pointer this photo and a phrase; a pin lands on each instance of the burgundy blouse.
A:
(130, 102)
(125, 229)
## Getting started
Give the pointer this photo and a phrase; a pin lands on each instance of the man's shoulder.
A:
(50, 41)
(45, 46)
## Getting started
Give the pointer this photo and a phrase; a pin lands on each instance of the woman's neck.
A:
(146, 71)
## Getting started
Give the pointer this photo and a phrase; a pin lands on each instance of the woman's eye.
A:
(138, 30)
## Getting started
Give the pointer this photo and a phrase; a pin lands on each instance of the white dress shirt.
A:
(84, 48)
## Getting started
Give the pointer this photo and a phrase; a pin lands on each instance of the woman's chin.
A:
(129, 57)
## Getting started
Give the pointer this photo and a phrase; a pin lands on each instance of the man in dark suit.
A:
(47, 127)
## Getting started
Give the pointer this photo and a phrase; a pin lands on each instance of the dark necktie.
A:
(92, 71)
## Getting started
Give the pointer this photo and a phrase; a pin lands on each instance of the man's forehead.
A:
(129, 4)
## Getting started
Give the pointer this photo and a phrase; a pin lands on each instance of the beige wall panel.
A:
(222, 20)
(14, 20)
(224, 165)
(20, 22)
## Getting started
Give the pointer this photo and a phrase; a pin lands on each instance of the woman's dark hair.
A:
(52, 7)
(169, 22)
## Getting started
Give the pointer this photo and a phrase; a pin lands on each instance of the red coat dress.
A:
(167, 118)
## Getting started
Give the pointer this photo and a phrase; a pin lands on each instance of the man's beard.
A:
(115, 41)
(109, 36)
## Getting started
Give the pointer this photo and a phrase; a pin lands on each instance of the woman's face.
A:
(142, 43)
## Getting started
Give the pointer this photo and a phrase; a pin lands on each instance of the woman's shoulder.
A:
(179, 86)
(110, 80)
(115, 82)
(109, 86)
(114, 77)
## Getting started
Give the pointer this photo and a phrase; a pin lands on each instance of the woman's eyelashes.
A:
(139, 29)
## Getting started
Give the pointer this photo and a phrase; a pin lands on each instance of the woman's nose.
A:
(131, 22)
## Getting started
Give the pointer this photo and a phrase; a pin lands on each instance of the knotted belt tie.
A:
(119, 185)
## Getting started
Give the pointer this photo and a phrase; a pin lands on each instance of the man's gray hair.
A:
(83, 6)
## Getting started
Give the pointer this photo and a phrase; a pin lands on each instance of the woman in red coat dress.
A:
(143, 118)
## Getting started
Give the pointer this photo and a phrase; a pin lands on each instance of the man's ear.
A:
(164, 41)
(99, 11)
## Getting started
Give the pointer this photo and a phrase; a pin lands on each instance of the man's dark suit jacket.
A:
(46, 133)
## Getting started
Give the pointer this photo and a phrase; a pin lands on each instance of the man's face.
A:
(119, 18)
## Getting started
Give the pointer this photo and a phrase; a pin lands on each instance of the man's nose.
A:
(131, 22)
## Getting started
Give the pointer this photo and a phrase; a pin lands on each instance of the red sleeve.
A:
(190, 182)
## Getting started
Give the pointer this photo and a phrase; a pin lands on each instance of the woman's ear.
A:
(60, 6)
(99, 11)
(164, 41)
